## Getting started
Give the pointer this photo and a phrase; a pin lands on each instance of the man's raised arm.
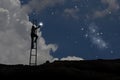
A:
(39, 26)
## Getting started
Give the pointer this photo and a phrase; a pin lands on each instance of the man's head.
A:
(33, 26)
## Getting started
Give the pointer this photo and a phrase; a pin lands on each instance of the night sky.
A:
(89, 29)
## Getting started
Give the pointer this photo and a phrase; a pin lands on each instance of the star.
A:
(41, 24)
(109, 12)
(104, 45)
(101, 33)
(93, 30)
(98, 34)
(96, 56)
(52, 13)
(98, 40)
(76, 7)
(111, 51)
(82, 29)
(86, 35)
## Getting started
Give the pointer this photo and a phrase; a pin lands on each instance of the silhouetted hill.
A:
(89, 69)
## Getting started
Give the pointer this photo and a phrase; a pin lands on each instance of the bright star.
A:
(41, 24)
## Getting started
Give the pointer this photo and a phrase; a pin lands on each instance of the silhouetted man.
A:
(34, 35)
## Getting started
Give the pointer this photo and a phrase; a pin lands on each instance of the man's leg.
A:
(36, 37)
(32, 44)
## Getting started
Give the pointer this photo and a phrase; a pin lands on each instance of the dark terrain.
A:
(89, 69)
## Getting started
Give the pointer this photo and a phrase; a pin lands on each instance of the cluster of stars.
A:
(95, 36)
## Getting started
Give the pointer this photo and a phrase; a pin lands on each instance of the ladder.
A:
(33, 54)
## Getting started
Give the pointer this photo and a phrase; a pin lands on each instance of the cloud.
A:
(71, 13)
(112, 4)
(55, 59)
(112, 7)
(68, 58)
(15, 35)
(40, 5)
(71, 58)
(95, 37)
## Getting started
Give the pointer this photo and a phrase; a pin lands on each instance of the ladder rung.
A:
(33, 48)
(33, 55)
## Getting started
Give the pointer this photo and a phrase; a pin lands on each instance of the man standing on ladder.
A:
(34, 35)
(33, 50)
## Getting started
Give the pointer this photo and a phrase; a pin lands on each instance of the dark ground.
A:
(81, 70)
